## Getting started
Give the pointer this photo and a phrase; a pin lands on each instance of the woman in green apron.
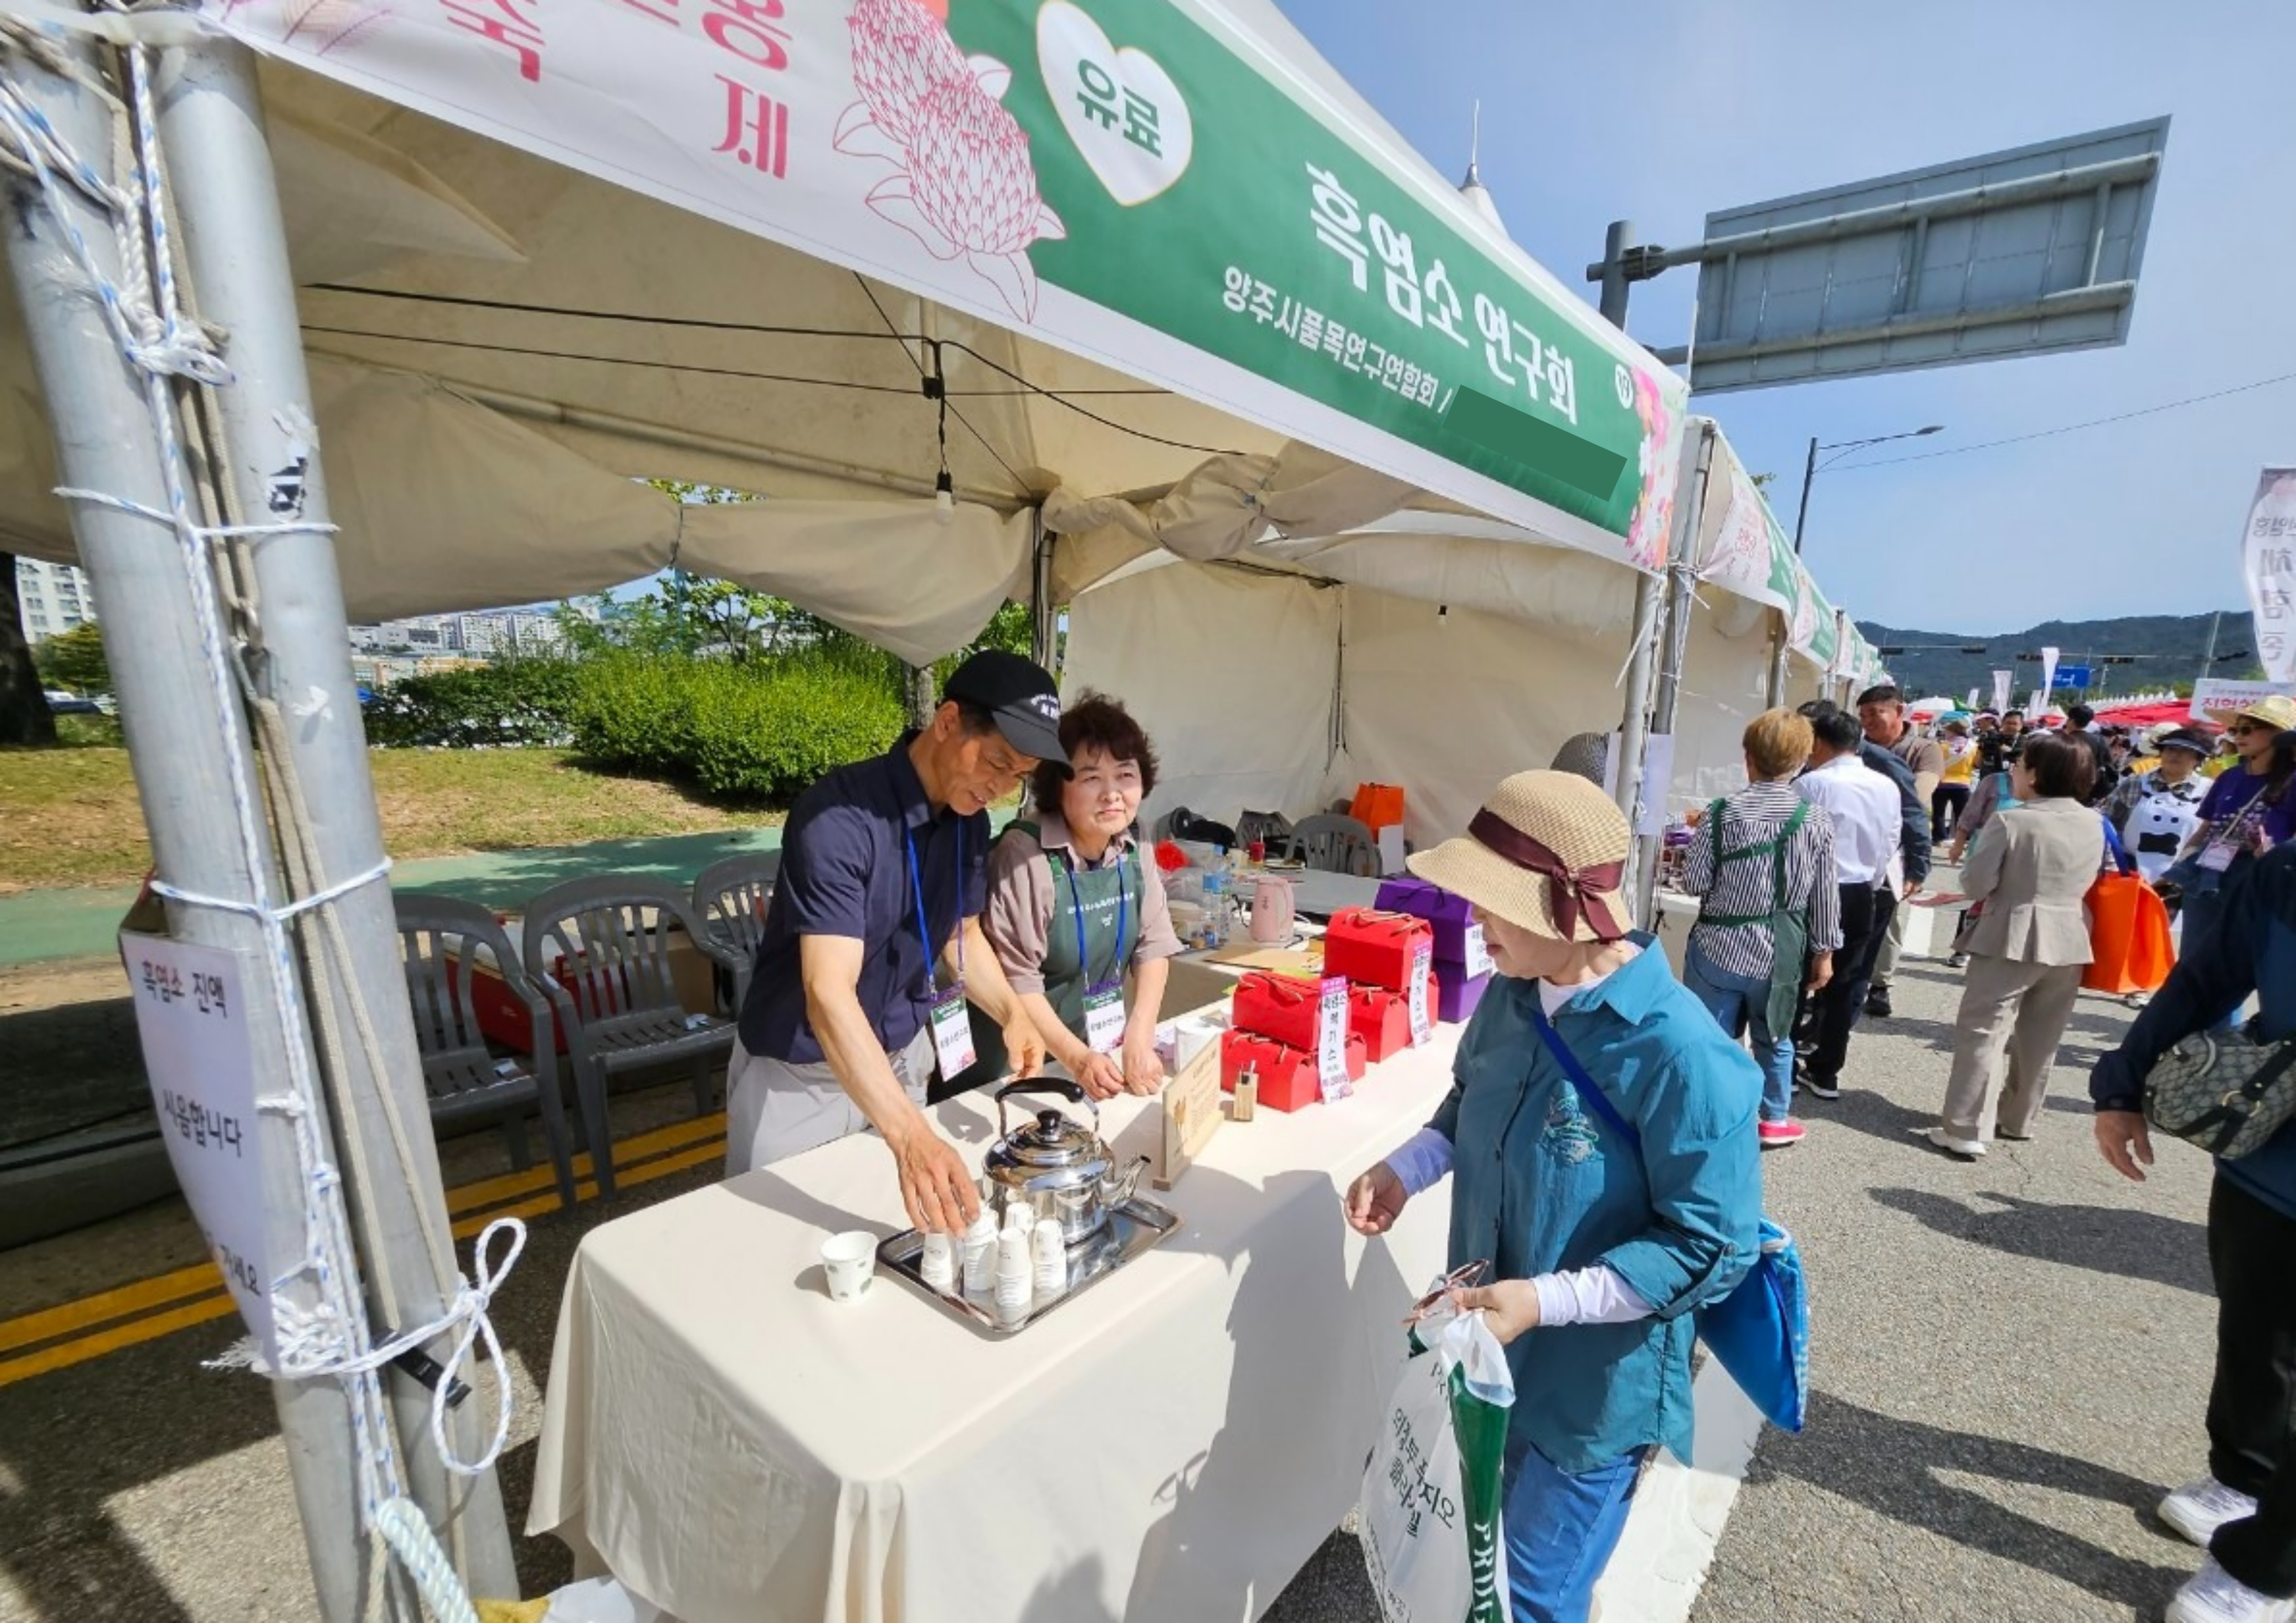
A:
(1763, 860)
(1076, 905)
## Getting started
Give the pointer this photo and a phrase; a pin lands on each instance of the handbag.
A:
(1761, 1331)
(2224, 1091)
(2130, 948)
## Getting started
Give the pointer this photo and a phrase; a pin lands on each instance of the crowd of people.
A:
(1616, 1118)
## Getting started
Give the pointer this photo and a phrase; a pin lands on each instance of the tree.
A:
(24, 716)
(74, 660)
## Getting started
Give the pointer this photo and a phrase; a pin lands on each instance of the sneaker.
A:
(1778, 1135)
(1967, 1149)
(2213, 1596)
(2198, 1509)
(1877, 1003)
(1959, 961)
(1817, 1089)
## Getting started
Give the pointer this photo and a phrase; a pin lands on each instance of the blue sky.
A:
(1662, 112)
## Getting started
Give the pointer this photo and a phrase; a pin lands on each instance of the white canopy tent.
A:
(525, 272)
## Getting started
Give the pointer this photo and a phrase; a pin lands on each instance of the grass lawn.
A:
(70, 816)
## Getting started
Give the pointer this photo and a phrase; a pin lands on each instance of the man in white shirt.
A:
(1865, 809)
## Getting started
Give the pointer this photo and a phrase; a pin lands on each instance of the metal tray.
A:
(1133, 1227)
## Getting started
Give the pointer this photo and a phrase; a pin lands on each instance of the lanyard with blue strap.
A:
(952, 1029)
(1103, 1000)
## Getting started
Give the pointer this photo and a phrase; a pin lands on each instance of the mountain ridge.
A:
(2166, 648)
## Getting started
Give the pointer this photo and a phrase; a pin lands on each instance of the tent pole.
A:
(179, 739)
(1681, 588)
(1774, 690)
(1046, 611)
(211, 121)
(1634, 724)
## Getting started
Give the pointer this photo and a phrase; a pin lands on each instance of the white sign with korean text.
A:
(2220, 701)
(192, 1020)
(2269, 564)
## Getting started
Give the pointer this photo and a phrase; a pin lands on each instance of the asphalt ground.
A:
(2010, 1364)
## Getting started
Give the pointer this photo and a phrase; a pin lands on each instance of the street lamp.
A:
(1810, 470)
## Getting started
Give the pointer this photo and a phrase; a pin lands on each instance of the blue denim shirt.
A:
(1540, 1184)
(2252, 949)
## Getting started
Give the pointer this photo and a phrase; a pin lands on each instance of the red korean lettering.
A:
(742, 27)
(500, 21)
(756, 129)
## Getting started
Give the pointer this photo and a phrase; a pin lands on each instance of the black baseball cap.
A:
(2185, 738)
(1020, 696)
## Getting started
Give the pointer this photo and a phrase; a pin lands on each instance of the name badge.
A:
(2217, 855)
(1422, 965)
(1478, 956)
(1103, 1017)
(1332, 1039)
(952, 1035)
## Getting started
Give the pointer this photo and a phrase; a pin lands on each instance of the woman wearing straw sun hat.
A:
(1606, 1221)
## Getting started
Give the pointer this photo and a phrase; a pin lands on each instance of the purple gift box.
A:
(1456, 996)
(1448, 914)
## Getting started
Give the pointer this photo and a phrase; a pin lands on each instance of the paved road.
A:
(2010, 1364)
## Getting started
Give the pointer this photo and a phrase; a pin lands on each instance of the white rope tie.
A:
(206, 532)
(256, 910)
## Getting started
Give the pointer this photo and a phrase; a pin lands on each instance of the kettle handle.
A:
(1070, 1091)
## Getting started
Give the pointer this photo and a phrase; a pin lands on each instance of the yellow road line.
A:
(197, 1280)
(638, 1161)
(65, 1353)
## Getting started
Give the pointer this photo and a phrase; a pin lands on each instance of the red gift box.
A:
(1281, 1007)
(1374, 947)
(1287, 1075)
(1382, 1019)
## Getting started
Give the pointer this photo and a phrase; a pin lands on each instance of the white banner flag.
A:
(1972, 700)
(2001, 680)
(2048, 673)
(2268, 564)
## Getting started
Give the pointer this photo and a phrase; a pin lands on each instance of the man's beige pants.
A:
(2008, 1009)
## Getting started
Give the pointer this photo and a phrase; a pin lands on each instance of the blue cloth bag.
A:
(1761, 1331)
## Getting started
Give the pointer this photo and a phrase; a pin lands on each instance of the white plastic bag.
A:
(1431, 1495)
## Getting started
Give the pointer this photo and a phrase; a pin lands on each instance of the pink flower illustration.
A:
(901, 53)
(963, 184)
(1651, 530)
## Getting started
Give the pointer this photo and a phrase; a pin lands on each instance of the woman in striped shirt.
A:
(1763, 860)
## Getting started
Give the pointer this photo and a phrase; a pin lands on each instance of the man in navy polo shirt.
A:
(873, 943)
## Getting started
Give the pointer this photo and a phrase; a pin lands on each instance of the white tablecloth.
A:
(1174, 1444)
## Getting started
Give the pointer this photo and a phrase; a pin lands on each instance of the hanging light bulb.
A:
(944, 499)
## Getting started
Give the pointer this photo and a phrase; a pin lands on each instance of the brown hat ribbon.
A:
(1569, 892)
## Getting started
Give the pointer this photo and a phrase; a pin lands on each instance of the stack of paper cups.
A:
(1051, 1258)
(1012, 1270)
(938, 1266)
(981, 1253)
(1019, 1218)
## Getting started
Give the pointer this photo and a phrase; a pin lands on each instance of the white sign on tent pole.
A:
(2001, 680)
(2048, 671)
(192, 1020)
(2268, 564)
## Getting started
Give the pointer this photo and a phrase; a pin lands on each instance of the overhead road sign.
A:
(2032, 251)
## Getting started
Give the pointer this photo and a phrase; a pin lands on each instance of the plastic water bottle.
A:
(1215, 901)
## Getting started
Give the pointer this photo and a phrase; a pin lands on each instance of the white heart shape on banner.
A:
(1120, 108)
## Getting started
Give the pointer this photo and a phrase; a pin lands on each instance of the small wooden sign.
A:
(1190, 1107)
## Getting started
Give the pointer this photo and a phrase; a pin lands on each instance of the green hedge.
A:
(514, 703)
(761, 730)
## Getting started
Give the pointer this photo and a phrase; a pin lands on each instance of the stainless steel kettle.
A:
(1055, 1166)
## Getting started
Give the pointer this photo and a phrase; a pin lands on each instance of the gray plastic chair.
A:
(444, 942)
(607, 941)
(731, 897)
(1333, 844)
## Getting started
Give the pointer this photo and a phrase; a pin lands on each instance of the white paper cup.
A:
(939, 1263)
(848, 1260)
